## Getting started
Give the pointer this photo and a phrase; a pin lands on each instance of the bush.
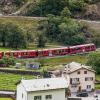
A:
(19, 2)
(77, 5)
(94, 61)
(7, 61)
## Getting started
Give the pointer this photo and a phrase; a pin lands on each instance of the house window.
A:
(85, 72)
(74, 80)
(37, 98)
(88, 78)
(48, 97)
(78, 72)
(91, 78)
(88, 86)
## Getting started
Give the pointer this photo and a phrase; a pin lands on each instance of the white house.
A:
(81, 77)
(42, 89)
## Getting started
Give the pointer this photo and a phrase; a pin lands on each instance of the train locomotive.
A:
(78, 49)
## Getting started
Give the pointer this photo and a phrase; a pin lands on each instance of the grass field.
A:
(97, 86)
(53, 63)
(8, 81)
(5, 99)
(27, 24)
(98, 77)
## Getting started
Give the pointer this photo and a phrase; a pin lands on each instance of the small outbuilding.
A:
(42, 89)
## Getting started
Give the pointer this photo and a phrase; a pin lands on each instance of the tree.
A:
(66, 12)
(45, 7)
(19, 2)
(3, 33)
(76, 5)
(96, 38)
(16, 37)
(94, 61)
(45, 73)
(41, 40)
(7, 61)
(62, 29)
(70, 33)
(50, 27)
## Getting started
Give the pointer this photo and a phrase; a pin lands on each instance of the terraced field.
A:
(8, 81)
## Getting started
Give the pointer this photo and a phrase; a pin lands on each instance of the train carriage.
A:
(50, 52)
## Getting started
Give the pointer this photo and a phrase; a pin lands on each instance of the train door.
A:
(19, 55)
(50, 53)
(40, 53)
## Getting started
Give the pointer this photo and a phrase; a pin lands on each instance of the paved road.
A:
(25, 17)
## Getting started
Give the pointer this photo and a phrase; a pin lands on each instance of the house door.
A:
(79, 88)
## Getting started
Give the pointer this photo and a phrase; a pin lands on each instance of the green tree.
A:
(16, 38)
(19, 2)
(66, 12)
(94, 61)
(7, 61)
(50, 27)
(44, 7)
(76, 5)
(3, 33)
(62, 29)
(45, 73)
(96, 38)
(70, 32)
(41, 40)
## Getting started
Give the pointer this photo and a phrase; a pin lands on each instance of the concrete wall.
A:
(56, 94)
(81, 77)
(21, 93)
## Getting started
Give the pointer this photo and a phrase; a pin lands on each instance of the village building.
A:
(42, 89)
(81, 77)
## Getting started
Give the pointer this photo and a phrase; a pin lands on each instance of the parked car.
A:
(82, 94)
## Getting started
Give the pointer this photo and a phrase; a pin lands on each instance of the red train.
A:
(50, 52)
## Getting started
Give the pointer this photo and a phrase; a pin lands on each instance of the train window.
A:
(26, 53)
(92, 47)
(78, 48)
(15, 53)
(88, 47)
(59, 51)
(62, 50)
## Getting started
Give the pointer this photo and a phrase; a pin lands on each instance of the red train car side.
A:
(51, 52)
